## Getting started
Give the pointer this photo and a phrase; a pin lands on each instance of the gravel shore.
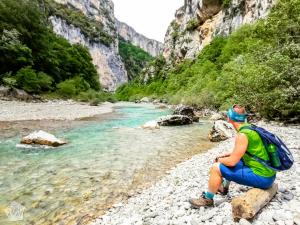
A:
(52, 110)
(166, 203)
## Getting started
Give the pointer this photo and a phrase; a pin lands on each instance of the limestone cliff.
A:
(198, 21)
(92, 23)
(105, 55)
(151, 46)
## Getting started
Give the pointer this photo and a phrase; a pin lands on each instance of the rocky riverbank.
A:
(167, 201)
(51, 110)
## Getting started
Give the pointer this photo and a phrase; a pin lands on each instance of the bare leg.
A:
(215, 181)
(215, 178)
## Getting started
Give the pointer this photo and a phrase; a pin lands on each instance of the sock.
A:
(225, 183)
(209, 195)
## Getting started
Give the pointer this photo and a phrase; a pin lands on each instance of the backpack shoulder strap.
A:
(263, 162)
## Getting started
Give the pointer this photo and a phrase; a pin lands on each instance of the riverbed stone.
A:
(297, 219)
(151, 125)
(221, 131)
(216, 116)
(244, 222)
(168, 197)
(42, 138)
(186, 111)
(174, 120)
(218, 220)
(289, 222)
(288, 196)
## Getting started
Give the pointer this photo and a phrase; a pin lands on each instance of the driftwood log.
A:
(255, 199)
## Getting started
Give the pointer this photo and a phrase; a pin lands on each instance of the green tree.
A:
(134, 58)
(27, 42)
(33, 82)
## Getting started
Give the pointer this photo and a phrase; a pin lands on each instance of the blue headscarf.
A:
(233, 115)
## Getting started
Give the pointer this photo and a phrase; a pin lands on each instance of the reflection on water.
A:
(103, 162)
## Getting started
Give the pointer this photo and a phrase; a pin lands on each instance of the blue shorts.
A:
(242, 174)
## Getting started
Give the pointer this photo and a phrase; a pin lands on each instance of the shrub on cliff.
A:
(192, 24)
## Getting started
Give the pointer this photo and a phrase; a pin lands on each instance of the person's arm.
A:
(240, 147)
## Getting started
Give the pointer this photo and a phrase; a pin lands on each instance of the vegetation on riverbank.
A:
(257, 65)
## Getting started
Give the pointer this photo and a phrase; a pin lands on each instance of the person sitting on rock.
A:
(237, 166)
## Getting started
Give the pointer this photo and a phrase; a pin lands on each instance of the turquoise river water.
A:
(104, 161)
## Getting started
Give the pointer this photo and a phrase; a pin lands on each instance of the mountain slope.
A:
(257, 65)
(134, 58)
(89, 23)
(197, 22)
(153, 47)
(92, 24)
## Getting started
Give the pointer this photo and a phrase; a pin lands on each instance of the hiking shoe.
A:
(202, 201)
(223, 191)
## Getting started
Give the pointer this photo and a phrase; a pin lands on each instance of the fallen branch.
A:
(255, 199)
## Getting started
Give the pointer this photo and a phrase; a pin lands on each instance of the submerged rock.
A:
(151, 125)
(42, 138)
(221, 131)
(174, 120)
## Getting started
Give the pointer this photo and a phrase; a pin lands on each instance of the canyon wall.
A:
(198, 21)
(151, 46)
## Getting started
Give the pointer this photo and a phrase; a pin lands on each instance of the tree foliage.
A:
(134, 58)
(257, 65)
(35, 57)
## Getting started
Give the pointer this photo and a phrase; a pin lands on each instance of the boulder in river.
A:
(186, 111)
(151, 125)
(42, 138)
(174, 120)
(221, 131)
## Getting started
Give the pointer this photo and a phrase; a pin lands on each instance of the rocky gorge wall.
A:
(198, 21)
(151, 46)
(92, 23)
(105, 57)
(108, 63)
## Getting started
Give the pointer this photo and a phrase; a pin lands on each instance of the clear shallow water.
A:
(103, 162)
